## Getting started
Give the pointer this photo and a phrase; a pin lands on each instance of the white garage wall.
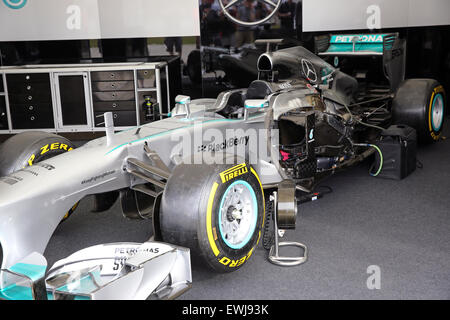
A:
(96, 19)
(325, 15)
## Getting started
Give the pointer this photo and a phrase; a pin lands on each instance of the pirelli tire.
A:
(28, 148)
(215, 210)
(421, 103)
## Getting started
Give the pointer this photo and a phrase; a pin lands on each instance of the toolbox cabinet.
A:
(73, 98)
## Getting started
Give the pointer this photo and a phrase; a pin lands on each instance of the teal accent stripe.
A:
(167, 132)
(359, 47)
(32, 271)
(15, 292)
(260, 106)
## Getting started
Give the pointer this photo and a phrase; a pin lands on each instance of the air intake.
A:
(265, 63)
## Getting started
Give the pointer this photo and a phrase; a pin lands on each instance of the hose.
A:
(379, 152)
(381, 161)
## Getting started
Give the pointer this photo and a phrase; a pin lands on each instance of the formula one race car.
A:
(205, 174)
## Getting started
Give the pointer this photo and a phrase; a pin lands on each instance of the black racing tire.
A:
(27, 148)
(194, 67)
(190, 213)
(420, 104)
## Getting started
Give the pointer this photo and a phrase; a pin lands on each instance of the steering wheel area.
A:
(273, 5)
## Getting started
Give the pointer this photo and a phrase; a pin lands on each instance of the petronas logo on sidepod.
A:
(15, 4)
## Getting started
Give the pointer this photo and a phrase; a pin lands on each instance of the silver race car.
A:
(207, 174)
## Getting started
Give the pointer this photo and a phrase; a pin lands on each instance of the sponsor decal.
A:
(233, 172)
(46, 166)
(365, 38)
(30, 171)
(228, 143)
(11, 180)
(285, 85)
(95, 178)
(123, 254)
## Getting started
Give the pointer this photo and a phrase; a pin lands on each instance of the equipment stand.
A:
(274, 256)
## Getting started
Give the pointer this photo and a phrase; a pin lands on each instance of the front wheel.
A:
(215, 210)
(28, 148)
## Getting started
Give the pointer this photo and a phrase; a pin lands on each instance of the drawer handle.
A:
(112, 75)
(30, 108)
(30, 97)
(114, 105)
(28, 87)
(115, 115)
(112, 85)
(32, 118)
(27, 77)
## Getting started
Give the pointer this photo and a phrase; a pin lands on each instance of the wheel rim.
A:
(437, 112)
(238, 214)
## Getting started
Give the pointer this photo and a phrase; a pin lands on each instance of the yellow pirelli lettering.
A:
(233, 172)
(54, 146)
(225, 261)
(209, 231)
(30, 161)
(45, 149)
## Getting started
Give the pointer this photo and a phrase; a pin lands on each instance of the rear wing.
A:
(355, 44)
(388, 46)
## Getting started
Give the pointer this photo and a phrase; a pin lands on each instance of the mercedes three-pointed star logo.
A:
(309, 71)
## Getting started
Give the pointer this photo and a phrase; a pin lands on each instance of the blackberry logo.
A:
(15, 4)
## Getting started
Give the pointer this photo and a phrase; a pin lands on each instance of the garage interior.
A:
(399, 227)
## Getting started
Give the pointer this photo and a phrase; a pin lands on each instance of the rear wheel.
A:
(421, 103)
(215, 210)
(28, 148)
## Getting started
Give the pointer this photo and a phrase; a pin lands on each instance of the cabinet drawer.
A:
(32, 120)
(113, 96)
(34, 97)
(30, 107)
(112, 86)
(30, 88)
(121, 118)
(146, 78)
(115, 105)
(27, 78)
(112, 75)
(3, 116)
